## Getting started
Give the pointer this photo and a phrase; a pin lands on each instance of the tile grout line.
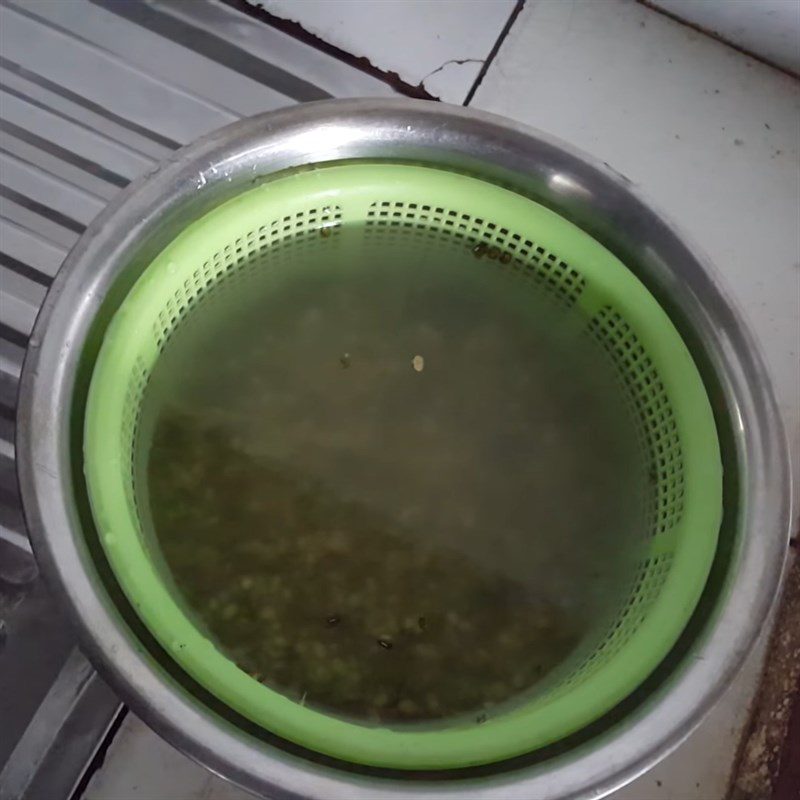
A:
(362, 63)
(512, 18)
(651, 6)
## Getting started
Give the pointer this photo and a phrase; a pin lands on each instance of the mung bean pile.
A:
(329, 602)
(384, 485)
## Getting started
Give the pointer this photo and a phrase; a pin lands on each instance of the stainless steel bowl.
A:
(119, 244)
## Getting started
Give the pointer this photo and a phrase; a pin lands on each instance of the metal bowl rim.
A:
(218, 166)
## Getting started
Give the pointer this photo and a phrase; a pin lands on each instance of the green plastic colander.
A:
(654, 367)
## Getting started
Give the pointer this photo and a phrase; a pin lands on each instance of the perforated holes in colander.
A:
(654, 413)
(524, 257)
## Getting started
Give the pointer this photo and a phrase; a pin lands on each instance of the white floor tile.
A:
(441, 45)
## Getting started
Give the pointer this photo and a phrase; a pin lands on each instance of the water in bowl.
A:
(392, 478)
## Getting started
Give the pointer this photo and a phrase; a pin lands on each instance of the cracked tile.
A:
(440, 46)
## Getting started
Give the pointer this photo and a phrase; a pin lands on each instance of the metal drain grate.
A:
(92, 95)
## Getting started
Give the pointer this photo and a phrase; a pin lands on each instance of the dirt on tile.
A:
(767, 767)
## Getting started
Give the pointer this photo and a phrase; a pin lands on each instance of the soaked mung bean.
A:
(393, 486)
